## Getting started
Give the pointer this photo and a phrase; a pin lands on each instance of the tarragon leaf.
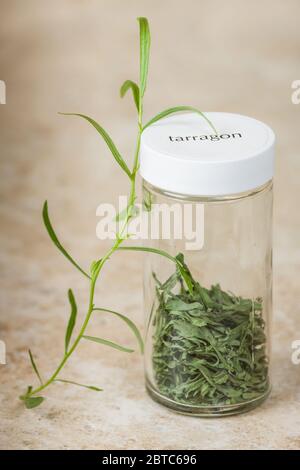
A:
(95, 267)
(108, 343)
(129, 323)
(55, 240)
(28, 392)
(33, 402)
(90, 387)
(178, 109)
(144, 53)
(179, 265)
(178, 304)
(130, 85)
(35, 367)
(131, 211)
(72, 319)
(116, 154)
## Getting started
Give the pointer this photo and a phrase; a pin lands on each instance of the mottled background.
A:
(72, 55)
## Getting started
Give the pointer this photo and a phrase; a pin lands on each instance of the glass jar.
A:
(208, 274)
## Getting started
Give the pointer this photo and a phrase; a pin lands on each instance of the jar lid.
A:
(182, 154)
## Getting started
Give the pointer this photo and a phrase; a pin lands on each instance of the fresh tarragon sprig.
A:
(32, 397)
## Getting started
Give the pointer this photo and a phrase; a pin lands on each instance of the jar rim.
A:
(204, 198)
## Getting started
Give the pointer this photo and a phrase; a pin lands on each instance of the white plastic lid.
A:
(182, 154)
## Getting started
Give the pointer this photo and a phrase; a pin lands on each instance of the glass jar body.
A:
(208, 309)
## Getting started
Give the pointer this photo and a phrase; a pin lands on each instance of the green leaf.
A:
(180, 305)
(185, 329)
(144, 53)
(147, 200)
(90, 387)
(108, 343)
(185, 272)
(72, 319)
(27, 394)
(94, 267)
(130, 85)
(150, 250)
(185, 276)
(33, 402)
(55, 240)
(129, 211)
(34, 368)
(29, 390)
(180, 267)
(178, 109)
(129, 322)
(116, 154)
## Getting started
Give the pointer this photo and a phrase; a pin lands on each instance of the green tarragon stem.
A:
(30, 398)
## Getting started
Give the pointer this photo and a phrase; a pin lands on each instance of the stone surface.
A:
(72, 56)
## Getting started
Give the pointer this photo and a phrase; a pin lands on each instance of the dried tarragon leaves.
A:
(209, 346)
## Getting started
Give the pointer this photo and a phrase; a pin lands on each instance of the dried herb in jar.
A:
(209, 346)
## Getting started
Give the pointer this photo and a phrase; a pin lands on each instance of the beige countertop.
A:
(72, 56)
